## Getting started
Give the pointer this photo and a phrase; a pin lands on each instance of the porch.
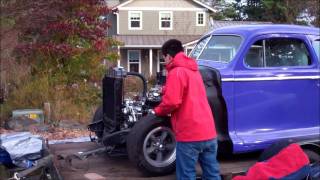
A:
(143, 53)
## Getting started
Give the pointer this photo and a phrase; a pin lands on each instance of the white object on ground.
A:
(19, 144)
(72, 140)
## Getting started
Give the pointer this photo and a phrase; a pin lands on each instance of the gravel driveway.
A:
(102, 167)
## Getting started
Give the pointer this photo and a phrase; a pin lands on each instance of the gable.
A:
(163, 3)
(155, 4)
(112, 3)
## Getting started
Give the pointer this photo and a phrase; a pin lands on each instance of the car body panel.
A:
(267, 104)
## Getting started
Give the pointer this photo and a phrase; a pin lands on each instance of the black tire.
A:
(151, 146)
(313, 155)
(98, 115)
(273, 149)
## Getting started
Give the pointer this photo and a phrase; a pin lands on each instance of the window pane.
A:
(254, 57)
(165, 16)
(135, 24)
(286, 52)
(135, 15)
(197, 50)
(221, 48)
(165, 20)
(316, 46)
(134, 68)
(200, 18)
(165, 24)
(161, 62)
(161, 59)
(135, 19)
(162, 67)
(134, 56)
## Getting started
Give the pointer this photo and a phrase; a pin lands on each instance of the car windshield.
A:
(221, 48)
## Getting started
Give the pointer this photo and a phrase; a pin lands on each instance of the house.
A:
(144, 25)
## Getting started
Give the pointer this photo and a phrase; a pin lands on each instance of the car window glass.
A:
(254, 57)
(286, 52)
(316, 46)
(197, 50)
(221, 48)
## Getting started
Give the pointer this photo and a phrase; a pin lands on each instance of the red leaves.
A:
(103, 10)
(78, 21)
(100, 44)
(72, 42)
(47, 49)
(60, 27)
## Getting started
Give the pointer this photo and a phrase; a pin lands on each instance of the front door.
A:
(276, 91)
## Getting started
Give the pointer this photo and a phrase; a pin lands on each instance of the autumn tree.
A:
(65, 46)
(276, 11)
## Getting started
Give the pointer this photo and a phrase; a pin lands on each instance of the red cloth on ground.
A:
(286, 162)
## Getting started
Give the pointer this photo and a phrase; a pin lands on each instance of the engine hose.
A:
(144, 81)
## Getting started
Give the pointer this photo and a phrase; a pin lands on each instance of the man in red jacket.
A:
(184, 97)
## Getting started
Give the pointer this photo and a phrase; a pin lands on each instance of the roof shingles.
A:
(153, 40)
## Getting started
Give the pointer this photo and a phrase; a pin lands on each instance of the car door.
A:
(276, 91)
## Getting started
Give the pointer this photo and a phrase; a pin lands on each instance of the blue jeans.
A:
(188, 153)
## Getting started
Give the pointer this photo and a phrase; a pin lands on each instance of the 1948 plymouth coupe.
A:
(262, 83)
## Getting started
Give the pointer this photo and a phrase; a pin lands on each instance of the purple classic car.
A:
(263, 86)
(270, 83)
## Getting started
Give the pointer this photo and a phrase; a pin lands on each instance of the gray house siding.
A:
(151, 36)
(184, 23)
(162, 3)
(112, 20)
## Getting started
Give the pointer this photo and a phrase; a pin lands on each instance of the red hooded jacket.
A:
(185, 99)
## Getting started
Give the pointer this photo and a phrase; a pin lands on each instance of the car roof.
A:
(247, 30)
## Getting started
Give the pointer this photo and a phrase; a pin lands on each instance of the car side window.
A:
(286, 52)
(254, 57)
(316, 46)
(278, 52)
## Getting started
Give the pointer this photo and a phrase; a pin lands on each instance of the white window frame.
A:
(129, 20)
(171, 20)
(128, 60)
(158, 60)
(204, 18)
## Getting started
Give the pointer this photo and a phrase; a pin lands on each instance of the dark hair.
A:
(172, 47)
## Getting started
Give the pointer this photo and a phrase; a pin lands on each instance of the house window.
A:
(135, 20)
(165, 20)
(161, 62)
(200, 19)
(134, 61)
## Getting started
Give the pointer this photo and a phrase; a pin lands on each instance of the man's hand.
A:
(151, 111)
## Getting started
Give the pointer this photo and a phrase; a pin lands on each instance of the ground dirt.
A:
(66, 130)
(103, 167)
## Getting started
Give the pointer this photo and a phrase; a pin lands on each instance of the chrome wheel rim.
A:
(159, 147)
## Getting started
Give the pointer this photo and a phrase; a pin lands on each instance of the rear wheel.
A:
(313, 155)
(98, 116)
(151, 146)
